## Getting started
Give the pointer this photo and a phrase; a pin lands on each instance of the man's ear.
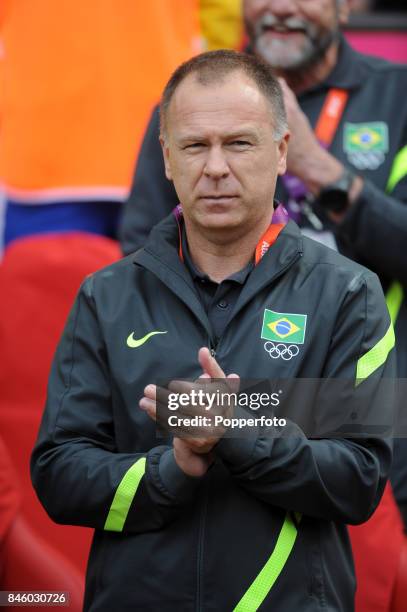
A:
(343, 12)
(282, 152)
(166, 155)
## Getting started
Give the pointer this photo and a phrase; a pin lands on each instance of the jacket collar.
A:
(162, 247)
(349, 71)
(287, 249)
(161, 257)
(238, 277)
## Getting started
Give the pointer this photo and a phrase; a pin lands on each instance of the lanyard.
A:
(278, 222)
(325, 129)
(268, 238)
(330, 116)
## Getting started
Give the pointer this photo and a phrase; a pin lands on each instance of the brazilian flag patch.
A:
(283, 327)
(363, 137)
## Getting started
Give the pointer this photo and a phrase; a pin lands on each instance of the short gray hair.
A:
(213, 66)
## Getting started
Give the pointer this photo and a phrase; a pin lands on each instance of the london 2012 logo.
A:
(283, 333)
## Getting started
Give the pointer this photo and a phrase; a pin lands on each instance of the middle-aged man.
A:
(356, 183)
(217, 523)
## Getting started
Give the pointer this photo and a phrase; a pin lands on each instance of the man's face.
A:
(220, 152)
(290, 34)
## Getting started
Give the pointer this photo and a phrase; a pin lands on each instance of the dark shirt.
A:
(218, 299)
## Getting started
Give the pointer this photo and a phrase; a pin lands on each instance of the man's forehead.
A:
(234, 93)
(227, 129)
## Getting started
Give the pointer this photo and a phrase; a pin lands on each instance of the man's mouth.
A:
(222, 196)
(282, 30)
(218, 198)
(268, 24)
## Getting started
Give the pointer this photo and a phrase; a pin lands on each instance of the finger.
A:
(209, 364)
(190, 396)
(157, 394)
(283, 84)
(149, 406)
(181, 386)
(201, 446)
(229, 382)
(150, 391)
(155, 410)
(233, 382)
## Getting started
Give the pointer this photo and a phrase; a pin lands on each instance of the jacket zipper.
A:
(202, 519)
(212, 346)
(200, 555)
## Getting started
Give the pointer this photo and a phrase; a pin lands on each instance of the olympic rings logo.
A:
(285, 351)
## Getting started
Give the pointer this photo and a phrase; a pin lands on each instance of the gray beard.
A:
(311, 56)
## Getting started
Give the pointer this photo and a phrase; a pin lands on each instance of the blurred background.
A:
(78, 82)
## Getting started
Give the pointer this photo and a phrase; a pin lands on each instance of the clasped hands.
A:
(193, 454)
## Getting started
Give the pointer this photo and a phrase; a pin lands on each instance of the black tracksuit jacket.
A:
(165, 541)
(374, 231)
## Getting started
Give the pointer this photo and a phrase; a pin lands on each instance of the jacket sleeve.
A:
(152, 196)
(331, 478)
(79, 475)
(375, 227)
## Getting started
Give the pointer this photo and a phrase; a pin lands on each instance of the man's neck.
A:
(221, 256)
(310, 76)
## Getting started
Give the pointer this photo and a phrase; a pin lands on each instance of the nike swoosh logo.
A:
(134, 343)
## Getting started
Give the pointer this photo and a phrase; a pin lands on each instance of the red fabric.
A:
(9, 492)
(27, 561)
(39, 278)
(19, 425)
(377, 546)
(399, 600)
(32, 564)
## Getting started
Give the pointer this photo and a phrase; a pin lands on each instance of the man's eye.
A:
(240, 143)
(194, 145)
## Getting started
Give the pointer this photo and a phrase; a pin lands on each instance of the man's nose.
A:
(216, 164)
(281, 8)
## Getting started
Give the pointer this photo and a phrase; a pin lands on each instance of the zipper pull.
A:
(213, 352)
